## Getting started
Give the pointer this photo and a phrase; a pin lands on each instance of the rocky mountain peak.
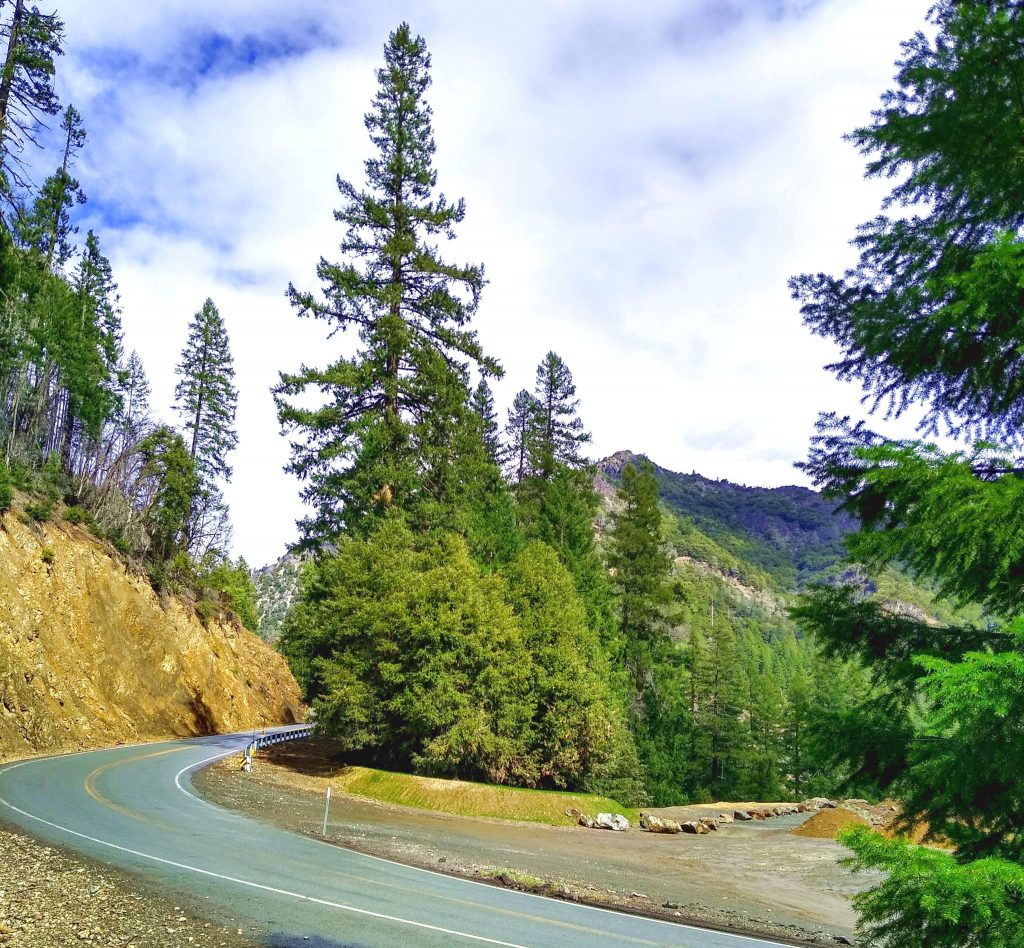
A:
(612, 466)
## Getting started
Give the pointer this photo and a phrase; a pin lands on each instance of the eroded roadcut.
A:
(133, 807)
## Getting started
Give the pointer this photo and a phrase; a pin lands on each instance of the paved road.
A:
(133, 807)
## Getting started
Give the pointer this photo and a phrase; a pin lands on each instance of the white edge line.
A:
(444, 875)
(224, 811)
(257, 885)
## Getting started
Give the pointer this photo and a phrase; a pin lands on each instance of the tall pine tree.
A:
(392, 409)
(640, 567)
(205, 396)
(560, 431)
(521, 431)
(30, 41)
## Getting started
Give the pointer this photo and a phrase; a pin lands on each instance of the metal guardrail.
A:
(268, 740)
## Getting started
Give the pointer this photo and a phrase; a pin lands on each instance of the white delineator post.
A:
(327, 805)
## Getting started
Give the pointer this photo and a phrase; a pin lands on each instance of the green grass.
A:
(474, 799)
(310, 768)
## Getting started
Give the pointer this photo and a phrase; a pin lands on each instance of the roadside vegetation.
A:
(77, 437)
(312, 767)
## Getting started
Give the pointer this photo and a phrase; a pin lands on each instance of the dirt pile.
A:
(89, 655)
(826, 824)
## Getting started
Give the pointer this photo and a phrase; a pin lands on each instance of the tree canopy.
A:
(931, 316)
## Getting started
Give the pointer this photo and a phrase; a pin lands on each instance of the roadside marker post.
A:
(327, 806)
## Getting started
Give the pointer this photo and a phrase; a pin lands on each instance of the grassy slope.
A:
(473, 799)
(309, 766)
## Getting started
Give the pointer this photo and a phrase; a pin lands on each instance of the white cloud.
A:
(641, 179)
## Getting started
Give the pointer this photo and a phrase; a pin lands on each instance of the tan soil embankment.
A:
(90, 656)
(827, 824)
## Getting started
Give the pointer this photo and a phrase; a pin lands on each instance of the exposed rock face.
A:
(277, 586)
(89, 655)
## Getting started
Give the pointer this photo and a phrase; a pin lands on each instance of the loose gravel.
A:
(49, 899)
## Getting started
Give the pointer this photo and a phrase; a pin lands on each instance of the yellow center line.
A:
(90, 784)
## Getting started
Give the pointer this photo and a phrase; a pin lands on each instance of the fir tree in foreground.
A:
(933, 315)
(390, 412)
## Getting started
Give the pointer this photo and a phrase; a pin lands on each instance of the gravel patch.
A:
(50, 899)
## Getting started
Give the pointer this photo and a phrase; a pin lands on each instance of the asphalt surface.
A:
(133, 807)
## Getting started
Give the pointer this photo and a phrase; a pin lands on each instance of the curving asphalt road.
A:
(133, 807)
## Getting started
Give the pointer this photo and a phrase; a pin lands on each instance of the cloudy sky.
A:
(641, 178)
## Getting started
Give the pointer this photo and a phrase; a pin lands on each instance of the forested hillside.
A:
(792, 534)
(76, 431)
(276, 585)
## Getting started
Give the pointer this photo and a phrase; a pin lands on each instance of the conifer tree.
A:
(46, 227)
(797, 723)
(391, 409)
(766, 706)
(206, 398)
(30, 42)
(89, 350)
(640, 565)
(521, 430)
(560, 432)
(932, 316)
(172, 485)
(482, 403)
(719, 687)
(134, 394)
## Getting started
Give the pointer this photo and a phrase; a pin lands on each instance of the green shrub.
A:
(77, 515)
(206, 609)
(121, 545)
(40, 512)
(21, 476)
(47, 554)
(6, 488)
(53, 478)
(234, 582)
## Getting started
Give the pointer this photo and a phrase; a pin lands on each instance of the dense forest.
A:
(480, 600)
(76, 432)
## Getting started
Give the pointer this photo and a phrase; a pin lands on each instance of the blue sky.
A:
(640, 181)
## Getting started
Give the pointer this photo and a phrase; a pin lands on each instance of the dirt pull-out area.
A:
(752, 877)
